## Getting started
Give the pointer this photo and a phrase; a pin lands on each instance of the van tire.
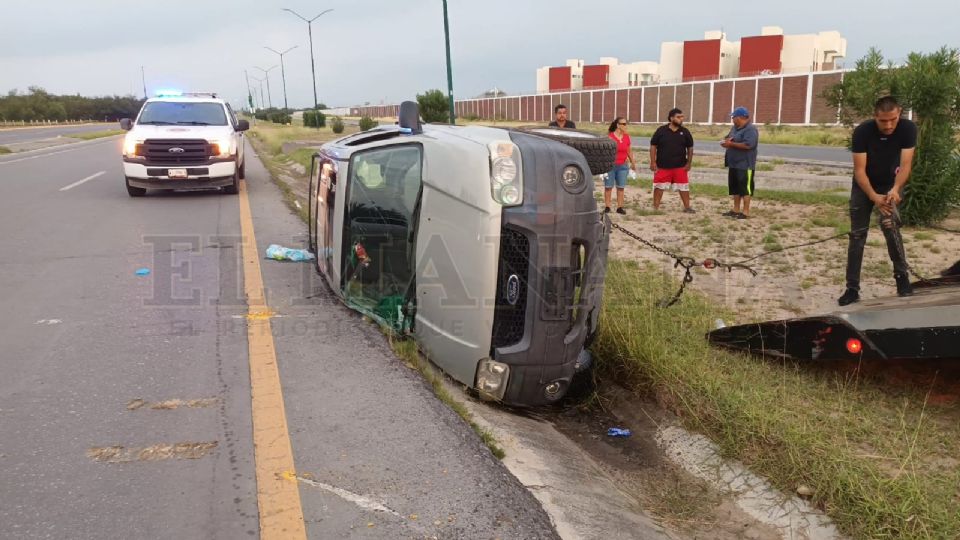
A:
(243, 170)
(134, 191)
(600, 152)
(233, 188)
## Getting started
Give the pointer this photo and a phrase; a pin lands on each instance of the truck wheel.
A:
(134, 191)
(601, 152)
(233, 188)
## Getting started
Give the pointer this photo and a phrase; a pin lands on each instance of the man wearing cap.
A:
(741, 161)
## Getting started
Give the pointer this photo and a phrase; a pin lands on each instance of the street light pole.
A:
(446, 34)
(283, 72)
(143, 77)
(266, 73)
(261, 89)
(313, 70)
(249, 94)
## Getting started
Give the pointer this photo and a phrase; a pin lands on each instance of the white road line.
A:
(73, 146)
(87, 179)
(363, 502)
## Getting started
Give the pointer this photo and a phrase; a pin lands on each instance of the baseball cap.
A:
(740, 111)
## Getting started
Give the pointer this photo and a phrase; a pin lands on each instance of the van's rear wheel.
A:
(600, 152)
(134, 191)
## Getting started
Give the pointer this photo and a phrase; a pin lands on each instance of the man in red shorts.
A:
(671, 155)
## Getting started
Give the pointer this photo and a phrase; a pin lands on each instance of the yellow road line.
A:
(278, 497)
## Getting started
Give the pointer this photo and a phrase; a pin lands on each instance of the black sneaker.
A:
(621, 211)
(729, 213)
(903, 286)
(849, 297)
(689, 210)
(606, 209)
(741, 215)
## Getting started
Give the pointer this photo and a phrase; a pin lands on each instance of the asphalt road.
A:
(22, 135)
(125, 405)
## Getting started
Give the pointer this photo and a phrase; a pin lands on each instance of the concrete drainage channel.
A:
(662, 482)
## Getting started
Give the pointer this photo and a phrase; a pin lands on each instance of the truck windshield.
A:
(190, 114)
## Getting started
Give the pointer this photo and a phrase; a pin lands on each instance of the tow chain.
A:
(688, 263)
(685, 262)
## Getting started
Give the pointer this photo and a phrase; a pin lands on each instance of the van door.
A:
(379, 229)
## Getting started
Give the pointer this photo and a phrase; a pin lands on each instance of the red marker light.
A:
(854, 346)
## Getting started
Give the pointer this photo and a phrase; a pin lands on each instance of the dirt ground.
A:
(788, 284)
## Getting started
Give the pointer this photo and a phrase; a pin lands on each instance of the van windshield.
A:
(183, 113)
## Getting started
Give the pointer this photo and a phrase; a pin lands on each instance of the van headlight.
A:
(492, 378)
(572, 179)
(131, 147)
(223, 148)
(506, 173)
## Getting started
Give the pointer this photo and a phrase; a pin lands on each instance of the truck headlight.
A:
(506, 173)
(222, 148)
(131, 147)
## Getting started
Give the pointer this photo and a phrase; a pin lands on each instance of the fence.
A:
(789, 99)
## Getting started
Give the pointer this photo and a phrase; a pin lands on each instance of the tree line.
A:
(39, 105)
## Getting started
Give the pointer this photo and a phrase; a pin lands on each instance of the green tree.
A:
(433, 106)
(929, 86)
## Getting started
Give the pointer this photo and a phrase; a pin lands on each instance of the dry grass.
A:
(882, 461)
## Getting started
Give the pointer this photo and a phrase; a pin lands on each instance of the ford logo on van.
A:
(513, 289)
(176, 150)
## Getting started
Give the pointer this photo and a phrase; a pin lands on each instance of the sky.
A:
(386, 51)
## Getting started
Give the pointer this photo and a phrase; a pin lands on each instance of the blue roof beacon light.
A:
(169, 93)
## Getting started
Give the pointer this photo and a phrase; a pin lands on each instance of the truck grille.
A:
(195, 151)
(512, 273)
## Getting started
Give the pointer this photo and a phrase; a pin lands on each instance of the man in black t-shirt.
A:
(560, 113)
(671, 155)
(882, 159)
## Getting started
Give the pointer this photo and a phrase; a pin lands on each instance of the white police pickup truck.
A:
(183, 141)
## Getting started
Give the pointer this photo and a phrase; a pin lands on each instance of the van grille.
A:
(512, 274)
(195, 151)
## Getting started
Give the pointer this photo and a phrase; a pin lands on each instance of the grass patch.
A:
(5, 150)
(96, 134)
(882, 463)
(273, 136)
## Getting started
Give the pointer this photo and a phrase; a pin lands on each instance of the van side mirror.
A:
(126, 124)
(243, 125)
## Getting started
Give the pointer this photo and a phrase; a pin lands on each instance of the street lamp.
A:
(283, 72)
(261, 89)
(446, 35)
(266, 74)
(310, 32)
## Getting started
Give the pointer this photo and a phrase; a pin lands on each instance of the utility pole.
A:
(261, 90)
(313, 70)
(446, 34)
(283, 72)
(249, 96)
(143, 77)
(266, 73)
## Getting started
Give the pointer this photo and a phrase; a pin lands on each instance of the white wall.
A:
(729, 59)
(809, 52)
(671, 61)
(543, 80)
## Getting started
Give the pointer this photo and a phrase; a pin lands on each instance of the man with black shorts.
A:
(560, 113)
(882, 160)
(671, 155)
(741, 161)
